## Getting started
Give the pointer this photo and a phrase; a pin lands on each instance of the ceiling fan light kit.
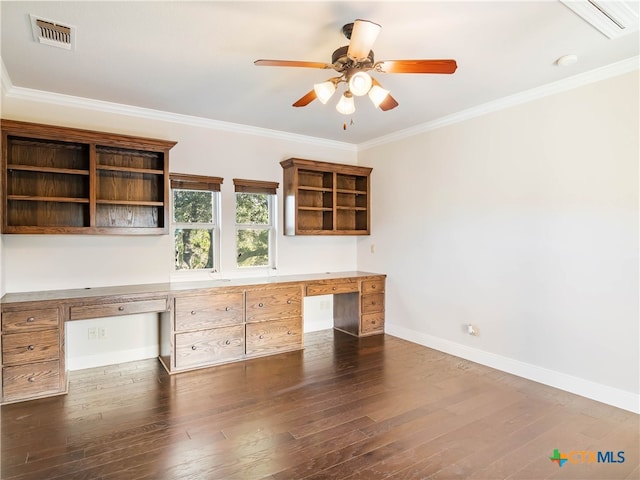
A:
(324, 91)
(360, 83)
(346, 105)
(377, 94)
(353, 62)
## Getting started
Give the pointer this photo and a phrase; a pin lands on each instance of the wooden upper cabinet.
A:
(67, 180)
(323, 198)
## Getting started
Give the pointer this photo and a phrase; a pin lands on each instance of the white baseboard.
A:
(111, 358)
(585, 388)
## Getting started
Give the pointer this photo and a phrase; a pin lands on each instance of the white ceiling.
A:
(196, 58)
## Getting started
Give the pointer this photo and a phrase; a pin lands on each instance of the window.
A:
(195, 222)
(255, 223)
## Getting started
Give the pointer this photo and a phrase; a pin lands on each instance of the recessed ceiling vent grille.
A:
(50, 32)
(613, 18)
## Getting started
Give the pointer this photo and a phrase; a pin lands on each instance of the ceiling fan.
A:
(352, 62)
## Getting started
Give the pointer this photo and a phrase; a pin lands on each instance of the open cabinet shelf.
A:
(323, 198)
(66, 180)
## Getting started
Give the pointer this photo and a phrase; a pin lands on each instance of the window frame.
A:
(270, 190)
(180, 181)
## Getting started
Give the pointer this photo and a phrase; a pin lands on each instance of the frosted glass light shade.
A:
(362, 37)
(377, 95)
(360, 84)
(324, 91)
(346, 105)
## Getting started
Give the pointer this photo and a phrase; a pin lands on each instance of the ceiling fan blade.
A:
(389, 102)
(363, 36)
(291, 63)
(306, 100)
(417, 66)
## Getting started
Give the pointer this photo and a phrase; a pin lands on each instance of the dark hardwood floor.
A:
(344, 408)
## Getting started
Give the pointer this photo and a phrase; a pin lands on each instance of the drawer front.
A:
(321, 289)
(273, 303)
(373, 303)
(26, 381)
(29, 320)
(84, 312)
(206, 311)
(372, 323)
(275, 336)
(372, 286)
(209, 346)
(30, 347)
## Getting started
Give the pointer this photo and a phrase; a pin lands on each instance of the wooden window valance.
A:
(195, 182)
(254, 186)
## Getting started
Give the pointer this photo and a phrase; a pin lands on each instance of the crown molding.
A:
(5, 80)
(602, 73)
(613, 70)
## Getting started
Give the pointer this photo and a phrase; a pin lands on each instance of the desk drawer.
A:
(30, 347)
(29, 319)
(209, 346)
(26, 381)
(373, 303)
(322, 289)
(206, 311)
(273, 303)
(84, 312)
(372, 323)
(372, 286)
(271, 337)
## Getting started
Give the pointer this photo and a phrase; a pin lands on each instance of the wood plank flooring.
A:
(344, 408)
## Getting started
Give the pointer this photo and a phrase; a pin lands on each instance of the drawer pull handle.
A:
(226, 309)
(261, 305)
(31, 379)
(333, 288)
(373, 287)
(261, 337)
(31, 319)
(228, 342)
(289, 333)
(289, 301)
(31, 347)
(193, 347)
(193, 312)
(121, 308)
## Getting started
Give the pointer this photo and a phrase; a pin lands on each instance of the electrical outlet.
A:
(102, 333)
(92, 333)
(472, 330)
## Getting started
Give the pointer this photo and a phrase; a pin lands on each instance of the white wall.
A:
(45, 262)
(523, 222)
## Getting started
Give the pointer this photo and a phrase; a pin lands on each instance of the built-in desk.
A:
(201, 323)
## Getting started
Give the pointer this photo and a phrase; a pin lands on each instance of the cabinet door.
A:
(275, 336)
(207, 311)
(274, 303)
(208, 347)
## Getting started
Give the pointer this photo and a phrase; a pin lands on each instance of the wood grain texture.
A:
(30, 319)
(344, 408)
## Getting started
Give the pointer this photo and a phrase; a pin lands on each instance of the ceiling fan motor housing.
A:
(342, 62)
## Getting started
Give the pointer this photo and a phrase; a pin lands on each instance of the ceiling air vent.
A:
(612, 18)
(53, 33)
